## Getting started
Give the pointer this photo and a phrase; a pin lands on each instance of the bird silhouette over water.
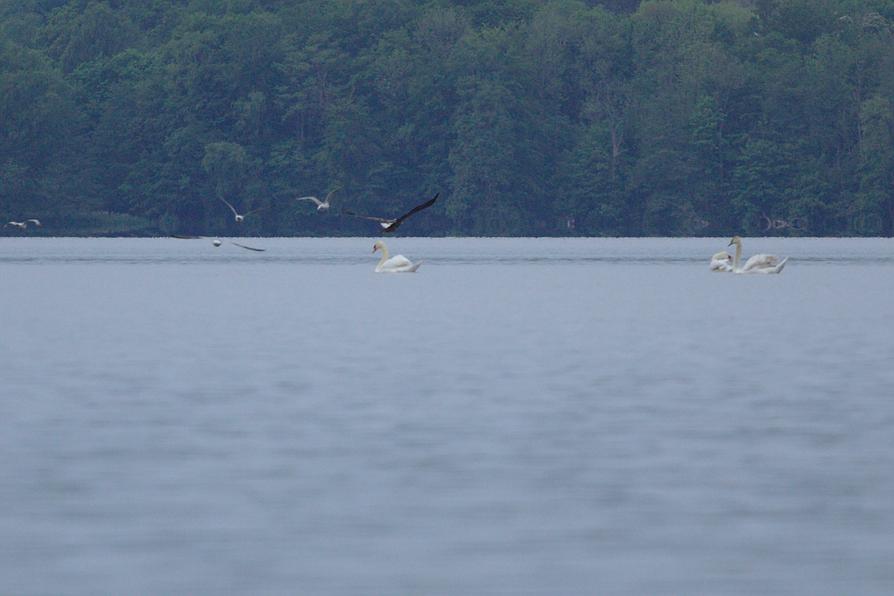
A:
(321, 205)
(240, 217)
(22, 225)
(390, 225)
(217, 242)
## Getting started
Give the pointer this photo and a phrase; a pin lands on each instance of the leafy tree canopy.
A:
(530, 117)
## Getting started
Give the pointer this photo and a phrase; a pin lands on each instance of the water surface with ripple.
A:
(522, 416)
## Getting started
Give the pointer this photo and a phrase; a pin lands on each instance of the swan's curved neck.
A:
(385, 255)
(738, 254)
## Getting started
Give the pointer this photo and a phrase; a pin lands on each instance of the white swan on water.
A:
(395, 264)
(760, 263)
(722, 262)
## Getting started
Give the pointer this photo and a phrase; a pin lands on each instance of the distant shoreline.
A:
(212, 236)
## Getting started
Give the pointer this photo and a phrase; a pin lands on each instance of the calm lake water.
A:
(522, 416)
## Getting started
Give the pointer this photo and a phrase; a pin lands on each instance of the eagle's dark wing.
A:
(411, 212)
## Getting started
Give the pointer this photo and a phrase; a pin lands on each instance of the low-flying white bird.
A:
(217, 242)
(395, 264)
(722, 262)
(760, 263)
(796, 223)
(321, 205)
(239, 216)
(24, 224)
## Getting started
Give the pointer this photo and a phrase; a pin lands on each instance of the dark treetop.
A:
(530, 117)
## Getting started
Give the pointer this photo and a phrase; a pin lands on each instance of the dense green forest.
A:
(530, 117)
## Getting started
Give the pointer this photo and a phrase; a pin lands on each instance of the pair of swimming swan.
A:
(723, 262)
(720, 262)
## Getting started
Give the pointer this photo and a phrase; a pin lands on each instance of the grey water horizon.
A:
(521, 416)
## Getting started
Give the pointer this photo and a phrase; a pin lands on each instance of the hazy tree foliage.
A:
(530, 117)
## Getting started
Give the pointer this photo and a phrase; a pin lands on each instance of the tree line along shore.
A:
(530, 117)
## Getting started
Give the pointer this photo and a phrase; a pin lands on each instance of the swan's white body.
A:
(764, 264)
(760, 263)
(722, 262)
(395, 264)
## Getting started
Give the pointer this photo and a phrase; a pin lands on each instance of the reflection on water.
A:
(523, 416)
